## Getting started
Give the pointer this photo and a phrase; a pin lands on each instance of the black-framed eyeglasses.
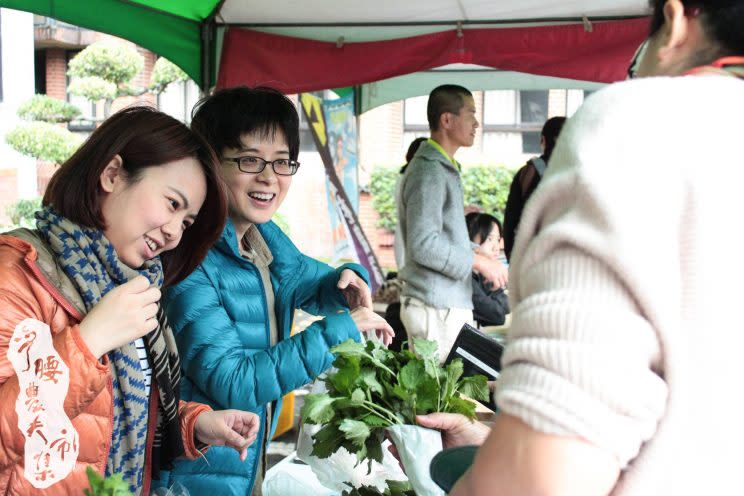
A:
(256, 165)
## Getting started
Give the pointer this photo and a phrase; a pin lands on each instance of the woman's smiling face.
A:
(148, 216)
(254, 198)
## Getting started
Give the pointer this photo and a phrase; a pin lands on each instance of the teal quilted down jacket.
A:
(219, 318)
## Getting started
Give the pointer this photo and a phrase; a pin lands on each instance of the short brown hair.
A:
(142, 137)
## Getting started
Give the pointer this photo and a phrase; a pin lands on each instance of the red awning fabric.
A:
(296, 65)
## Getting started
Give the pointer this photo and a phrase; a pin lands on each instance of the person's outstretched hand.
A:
(354, 289)
(494, 271)
(232, 428)
(457, 430)
(369, 322)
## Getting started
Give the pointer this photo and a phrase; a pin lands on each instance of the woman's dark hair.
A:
(230, 113)
(722, 21)
(412, 149)
(480, 225)
(550, 131)
(142, 137)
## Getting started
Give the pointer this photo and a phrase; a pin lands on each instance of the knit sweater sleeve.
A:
(584, 357)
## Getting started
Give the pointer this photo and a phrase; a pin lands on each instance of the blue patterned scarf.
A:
(90, 261)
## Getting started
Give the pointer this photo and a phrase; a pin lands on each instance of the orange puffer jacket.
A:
(41, 350)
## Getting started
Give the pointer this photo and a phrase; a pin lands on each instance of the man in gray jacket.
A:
(439, 257)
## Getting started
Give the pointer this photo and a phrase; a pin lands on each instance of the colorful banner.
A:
(342, 144)
(334, 131)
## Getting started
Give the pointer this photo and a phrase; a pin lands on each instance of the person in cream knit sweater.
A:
(623, 370)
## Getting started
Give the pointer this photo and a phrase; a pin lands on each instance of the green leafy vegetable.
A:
(109, 486)
(395, 488)
(374, 388)
(317, 408)
(355, 431)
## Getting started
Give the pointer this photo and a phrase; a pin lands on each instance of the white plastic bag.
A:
(341, 471)
(416, 447)
(288, 478)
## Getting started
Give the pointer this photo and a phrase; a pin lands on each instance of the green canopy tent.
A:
(326, 44)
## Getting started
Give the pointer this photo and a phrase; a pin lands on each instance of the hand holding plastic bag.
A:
(416, 447)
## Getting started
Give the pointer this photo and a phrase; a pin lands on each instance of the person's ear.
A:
(112, 174)
(445, 120)
(676, 29)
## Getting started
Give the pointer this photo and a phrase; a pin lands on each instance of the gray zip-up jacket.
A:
(431, 219)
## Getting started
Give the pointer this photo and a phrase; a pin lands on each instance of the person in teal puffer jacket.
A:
(232, 316)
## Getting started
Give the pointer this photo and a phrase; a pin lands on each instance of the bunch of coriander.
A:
(374, 388)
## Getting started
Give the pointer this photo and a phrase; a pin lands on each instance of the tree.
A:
(484, 186)
(165, 72)
(104, 71)
(40, 136)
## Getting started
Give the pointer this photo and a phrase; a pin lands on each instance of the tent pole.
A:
(207, 50)
(454, 23)
(357, 92)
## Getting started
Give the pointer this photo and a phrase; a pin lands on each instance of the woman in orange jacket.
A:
(89, 370)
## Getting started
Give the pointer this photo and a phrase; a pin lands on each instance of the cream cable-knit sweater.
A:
(627, 287)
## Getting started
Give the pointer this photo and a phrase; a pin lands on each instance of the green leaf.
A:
(327, 441)
(461, 406)
(358, 397)
(401, 392)
(399, 488)
(475, 387)
(427, 396)
(165, 72)
(346, 376)
(114, 62)
(22, 212)
(355, 431)
(43, 140)
(317, 409)
(454, 370)
(113, 485)
(368, 377)
(411, 375)
(374, 446)
(432, 368)
(425, 348)
(453, 373)
(93, 88)
(349, 348)
(382, 354)
(382, 186)
(47, 109)
(485, 186)
(373, 420)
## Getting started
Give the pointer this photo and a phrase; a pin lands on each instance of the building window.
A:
(513, 119)
(40, 71)
(414, 114)
(178, 99)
